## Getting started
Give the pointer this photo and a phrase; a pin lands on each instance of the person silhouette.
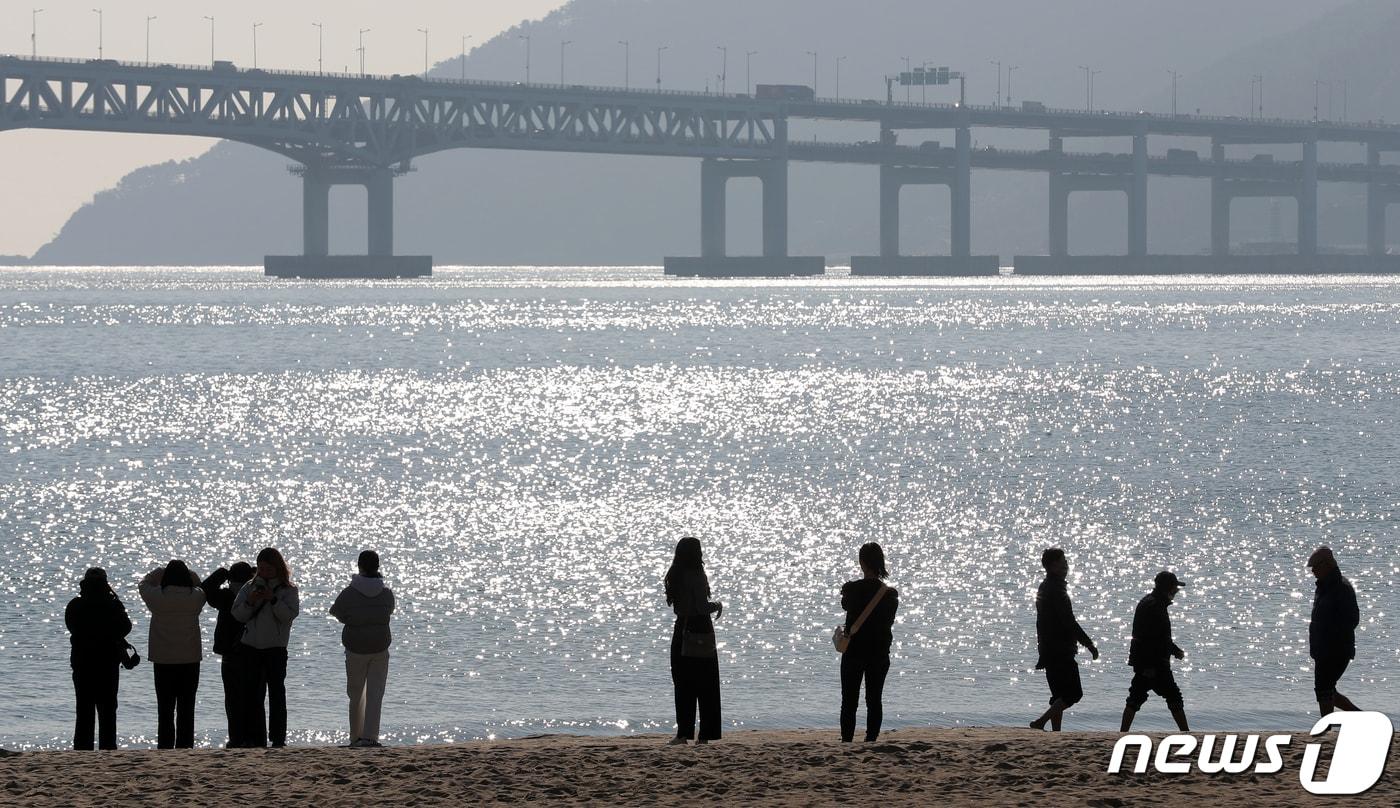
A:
(364, 607)
(267, 605)
(694, 660)
(228, 633)
(1151, 651)
(175, 598)
(870, 608)
(1058, 637)
(97, 624)
(1332, 630)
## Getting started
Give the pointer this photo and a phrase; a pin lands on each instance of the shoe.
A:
(677, 742)
(702, 740)
(365, 743)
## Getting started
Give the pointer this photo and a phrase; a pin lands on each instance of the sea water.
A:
(524, 446)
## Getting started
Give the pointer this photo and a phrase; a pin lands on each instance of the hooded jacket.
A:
(267, 624)
(1335, 616)
(364, 607)
(175, 638)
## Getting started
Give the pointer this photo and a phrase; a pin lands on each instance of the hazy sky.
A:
(38, 199)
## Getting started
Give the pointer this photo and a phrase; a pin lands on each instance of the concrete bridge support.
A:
(1062, 185)
(1137, 199)
(1378, 198)
(1307, 200)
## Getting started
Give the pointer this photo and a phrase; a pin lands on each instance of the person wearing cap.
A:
(1151, 651)
(1058, 637)
(1332, 630)
(98, 625)
(220, 589)
(365, 607)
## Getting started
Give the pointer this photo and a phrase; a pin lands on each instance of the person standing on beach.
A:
(694, 660)
(365, 607)
(1058, 637)
(175, 598)
(228, 633)
(267, 605)
(870, 608)
(1332, 630)
(1151, 650)
(98, 624)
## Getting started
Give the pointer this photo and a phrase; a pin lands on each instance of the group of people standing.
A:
(256, 607)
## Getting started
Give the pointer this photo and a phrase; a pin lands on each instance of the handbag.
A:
(697, 644)
(841, 638)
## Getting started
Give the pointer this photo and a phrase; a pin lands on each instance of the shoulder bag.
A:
(842, 638)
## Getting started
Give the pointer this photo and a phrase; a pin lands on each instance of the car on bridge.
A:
(785, 92)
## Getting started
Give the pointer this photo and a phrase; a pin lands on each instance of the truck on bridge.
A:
(785, 92)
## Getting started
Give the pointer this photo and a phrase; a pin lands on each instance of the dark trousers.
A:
(95, 686)
(175, 689)
(696, 681)
(873, 669)
(266, 676)
(234, 671)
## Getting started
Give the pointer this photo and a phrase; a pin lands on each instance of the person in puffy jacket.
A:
(175, 598)
(98, 625)
(1332, 630)
(266, 606)
(365, 607)
(220, 590)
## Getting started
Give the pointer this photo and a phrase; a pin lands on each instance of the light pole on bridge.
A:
(839, 60)
(34, 32)
(526, 37)
(748, 71)
(98, 12)
(562, 45)
(1009, 71)
(256, 26)
(148, 39)
(1175, 76)
(626, 63)
(814, 56)
(424, 32)
(465, 37)
(211, 39)
(723, 69)
(908, 87)
(1089, 74)
(361, 50)
(658, 64)
(997, 62)
(320, 48)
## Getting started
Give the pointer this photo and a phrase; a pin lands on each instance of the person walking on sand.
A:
(220, 589)
(870, 608)
(175, 598)
(98, 624)
(365, 607)
(1150, 652)
(694, 660)
(1058, 637)
(267, 605)
(1332, 630)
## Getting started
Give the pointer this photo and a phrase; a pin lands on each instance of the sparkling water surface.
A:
(525, 445)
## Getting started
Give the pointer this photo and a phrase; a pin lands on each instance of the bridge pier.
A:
(714, 260)
(1307, 199)
(1379, 197)
(1134, 185)
(1137, 199)
(316, 260)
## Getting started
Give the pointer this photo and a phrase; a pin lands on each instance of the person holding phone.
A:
(266, 606)
(694, 659)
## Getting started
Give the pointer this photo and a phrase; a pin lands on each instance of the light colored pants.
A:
(365, 678)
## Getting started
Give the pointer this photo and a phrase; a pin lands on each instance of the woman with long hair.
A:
(175, 598)
(694, 661)
(870, 607)
(267, 605)
(98, 623)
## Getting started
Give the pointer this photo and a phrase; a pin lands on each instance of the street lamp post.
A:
(211, 39)
(565, 43)
(98, 12)
(723, 69)
(997, 62)
(148, 39)
(34, 32)
(1009, 71)
(424, 32)
(320, 48)
(908, 90)
(626, 63)
(256, 26)
(465, 37)
(1175, 76)
(814, 56)
(839, 60)
(1089, 74)
(1316, 85)
(526, 37)
(748, 71)
(361, 50)
(658, 64)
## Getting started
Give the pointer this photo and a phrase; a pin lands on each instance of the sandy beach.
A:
(907, 767)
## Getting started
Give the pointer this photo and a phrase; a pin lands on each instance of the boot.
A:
(1179, 713)
(1324, 707)
(1128, 714)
